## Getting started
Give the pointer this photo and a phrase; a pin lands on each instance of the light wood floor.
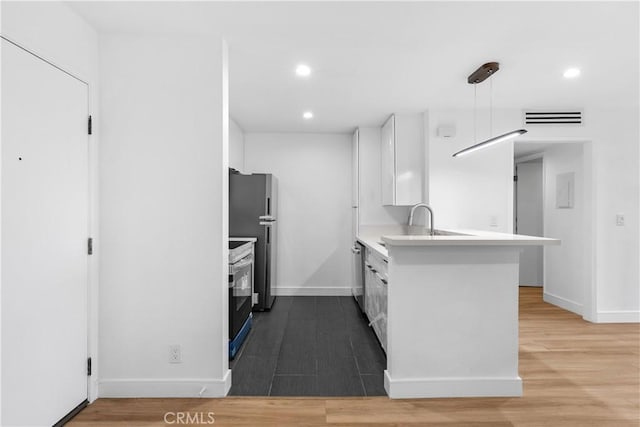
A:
(575, 373)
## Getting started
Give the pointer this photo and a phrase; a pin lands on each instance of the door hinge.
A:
(89, 126)
(515, 178)
(89, 367)
(90, 246)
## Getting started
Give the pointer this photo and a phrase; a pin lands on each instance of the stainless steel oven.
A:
(240, 296)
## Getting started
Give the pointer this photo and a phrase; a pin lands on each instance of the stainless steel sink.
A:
(423, 231)
(447, 233)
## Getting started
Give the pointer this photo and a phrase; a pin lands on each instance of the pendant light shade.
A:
(484, 72)
(491, 141)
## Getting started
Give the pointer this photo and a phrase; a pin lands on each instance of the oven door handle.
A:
(241, 264)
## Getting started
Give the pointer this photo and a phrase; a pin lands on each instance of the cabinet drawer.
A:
(378, 308)
(379, 263)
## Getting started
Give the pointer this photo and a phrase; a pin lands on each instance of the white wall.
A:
(314, 208)
(236, 146)
(473, 191)
(564, 265)
(468, 191)
(56, 33)
(163, 169)
(616, 144)
(612, 158)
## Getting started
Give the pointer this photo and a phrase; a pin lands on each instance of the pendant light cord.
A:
(491, 106)
(475, 113)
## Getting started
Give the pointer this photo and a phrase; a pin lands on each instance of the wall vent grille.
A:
(554, 117)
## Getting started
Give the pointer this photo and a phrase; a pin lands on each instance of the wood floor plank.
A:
(575, 373)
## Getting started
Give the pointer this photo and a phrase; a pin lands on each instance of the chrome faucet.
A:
(422, 205)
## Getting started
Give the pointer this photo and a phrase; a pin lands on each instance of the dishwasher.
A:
(358, 290)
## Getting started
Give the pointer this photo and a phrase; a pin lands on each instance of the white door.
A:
(355, 183)
(529, 214)
(355, 207)
(44, 240)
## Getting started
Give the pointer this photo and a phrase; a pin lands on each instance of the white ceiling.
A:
(370, 59)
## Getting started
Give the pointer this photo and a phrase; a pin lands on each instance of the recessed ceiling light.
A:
(572, 73)
(303, 70)
(307, 115)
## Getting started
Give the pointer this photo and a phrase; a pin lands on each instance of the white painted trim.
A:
(618, 316)
(452, 387)
(526, 158)
(165, 387)
(312, 291)
(563, 303)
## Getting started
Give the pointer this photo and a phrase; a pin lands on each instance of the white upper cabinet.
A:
(402, 157)
(388, 161)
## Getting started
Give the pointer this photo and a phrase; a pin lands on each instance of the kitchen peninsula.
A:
(452, 312)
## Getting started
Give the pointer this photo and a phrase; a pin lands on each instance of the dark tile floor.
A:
(310, 346)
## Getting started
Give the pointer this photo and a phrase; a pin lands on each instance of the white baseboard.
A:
(561, 302)
(619, 316)
(165, 387)
(312, 291)
(452, 387)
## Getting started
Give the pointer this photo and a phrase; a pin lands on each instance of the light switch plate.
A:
(565, 184)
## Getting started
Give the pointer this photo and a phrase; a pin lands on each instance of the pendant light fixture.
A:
(478, 76)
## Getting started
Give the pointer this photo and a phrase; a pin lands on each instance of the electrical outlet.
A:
(620, 220)
(175, 354)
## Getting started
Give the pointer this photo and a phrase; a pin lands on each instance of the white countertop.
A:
(243, 239)
(467, 238)
(373, 243)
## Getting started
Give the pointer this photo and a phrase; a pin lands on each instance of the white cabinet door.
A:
(409, 162)
(388, 162)
(402, 160)
(45, 208)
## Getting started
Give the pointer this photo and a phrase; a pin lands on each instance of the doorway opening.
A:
(310, 338)
(317, 346)
(528, 217)
(553, 198)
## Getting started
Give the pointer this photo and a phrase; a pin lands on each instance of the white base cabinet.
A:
(376, 282)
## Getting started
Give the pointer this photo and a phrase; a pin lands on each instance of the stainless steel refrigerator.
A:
(252, 213)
